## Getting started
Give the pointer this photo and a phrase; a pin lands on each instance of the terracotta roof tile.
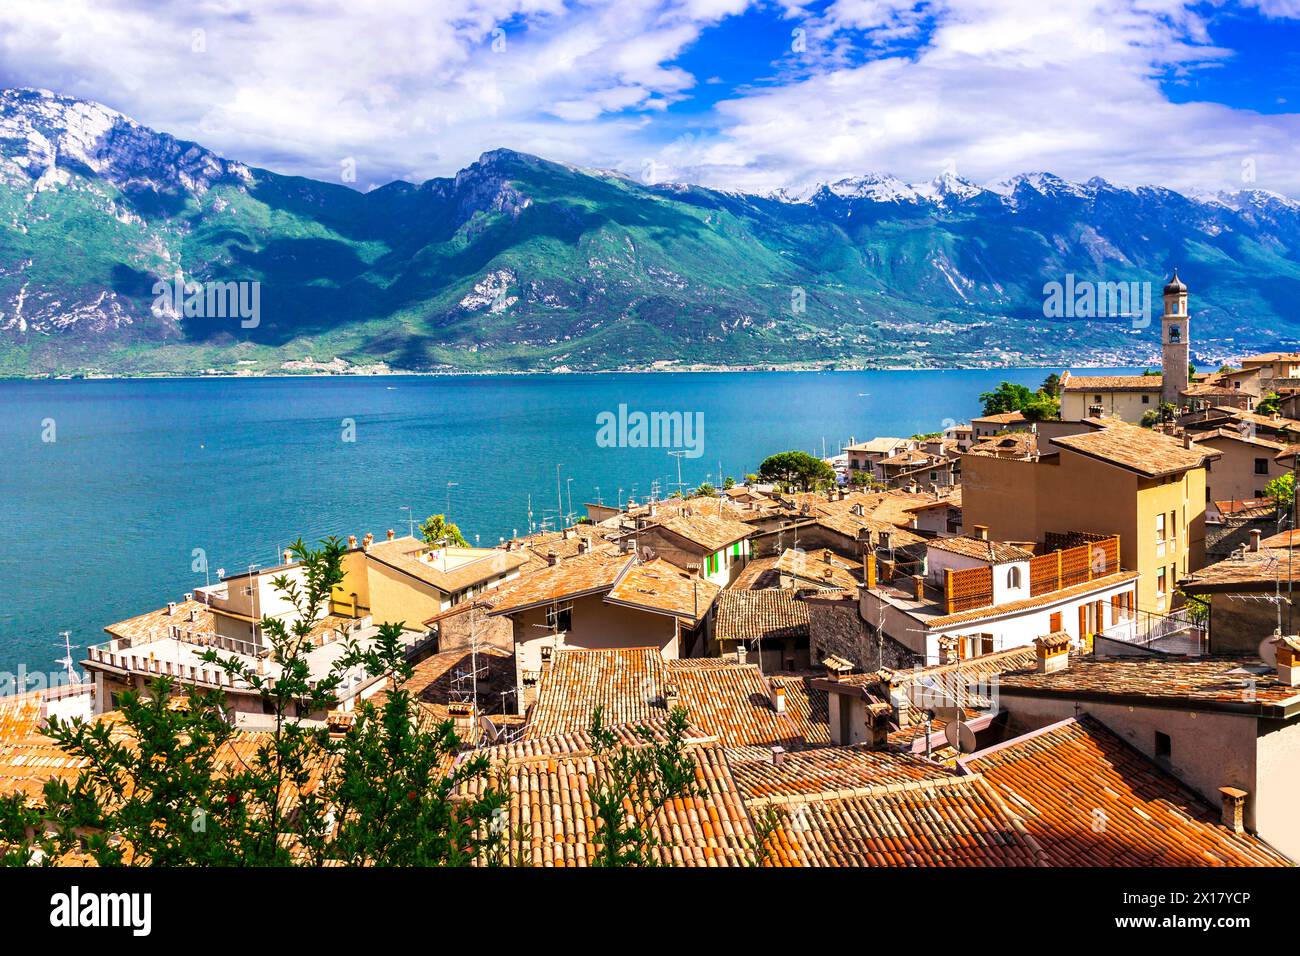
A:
(771, 614)
(722, 698)
(994, 552)
(1193, 683)
(1090, 799)
(661, 586)
(710, 531)
(588, 573)
(551, 820)
(1112, 383)
(191, 616)
(1142, 450)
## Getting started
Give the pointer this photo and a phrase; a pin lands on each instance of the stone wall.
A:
(836, 629)
(456, 631)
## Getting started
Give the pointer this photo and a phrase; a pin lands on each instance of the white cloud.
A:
(420, 89)
(409, 88)
(1001, 87)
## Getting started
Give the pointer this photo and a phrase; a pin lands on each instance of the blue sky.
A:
(749, 94)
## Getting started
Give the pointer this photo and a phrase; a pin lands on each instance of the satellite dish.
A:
(1268, 651)
(949, 715)
(960, 737)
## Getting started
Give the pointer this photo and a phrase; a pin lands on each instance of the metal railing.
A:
(1171, 633)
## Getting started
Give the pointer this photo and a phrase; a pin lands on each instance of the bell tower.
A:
(1175, 341)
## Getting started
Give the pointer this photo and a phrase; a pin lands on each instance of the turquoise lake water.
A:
(102, 522)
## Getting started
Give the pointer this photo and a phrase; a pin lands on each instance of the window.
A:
(1160, 581)
(1261, 466)
(1164, 747)
(1096, 399)
(1055, 624)
(560, 619)
(1146, 399)
(1013, 578)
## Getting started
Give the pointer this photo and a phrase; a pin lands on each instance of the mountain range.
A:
(520, 263)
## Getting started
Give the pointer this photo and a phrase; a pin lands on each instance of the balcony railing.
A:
(1172, 633)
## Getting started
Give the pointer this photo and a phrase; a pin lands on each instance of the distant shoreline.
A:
(400, 373)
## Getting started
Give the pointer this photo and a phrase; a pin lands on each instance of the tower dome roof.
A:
(1175, 285)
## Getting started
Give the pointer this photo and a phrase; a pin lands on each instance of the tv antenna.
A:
(74, 676)
(679, 455)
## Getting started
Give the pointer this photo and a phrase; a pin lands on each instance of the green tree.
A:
(634, 785)
(728, 483)
(1007, 397)
(1041, 407)
(392, 799)
(797, 469)
(1150, 418)
(157, 795)
(705, 490)
(1270, 404)
(164, 786)
(285, 765)
(439, 532)
(1282, 490)
(1051, 386)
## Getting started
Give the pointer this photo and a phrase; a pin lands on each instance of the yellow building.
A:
(1142, 485)
(1126, 397)
(406, 580)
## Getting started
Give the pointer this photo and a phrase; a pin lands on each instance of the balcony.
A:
(1174, 633)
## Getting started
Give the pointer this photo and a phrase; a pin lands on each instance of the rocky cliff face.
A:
(517, 262)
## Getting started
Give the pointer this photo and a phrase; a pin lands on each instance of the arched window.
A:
(1013, 578)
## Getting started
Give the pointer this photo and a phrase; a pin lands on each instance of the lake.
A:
(115, 485)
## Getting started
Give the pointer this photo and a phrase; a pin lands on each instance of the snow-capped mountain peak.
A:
(41, 131)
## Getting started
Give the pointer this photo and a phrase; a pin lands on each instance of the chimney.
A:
(1187, 439)
(1254, 539)
(171, 608)
(1234, 808)
(462, 719)
(654, 510)
(1288, 659)
(365, 542)
(568, 533)
(826, 556)
(390, 534)
(584, 545)
(671, 697)
(189, 595)
(352, 542)
(836, 667)
(1053, 652)
(885, 538)
(778, 755)
(871, 572)
(778, 698)
(878, 715)
(982, 532)
(918, 586)
(552, 558)
(742, 653)
(864, 541)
